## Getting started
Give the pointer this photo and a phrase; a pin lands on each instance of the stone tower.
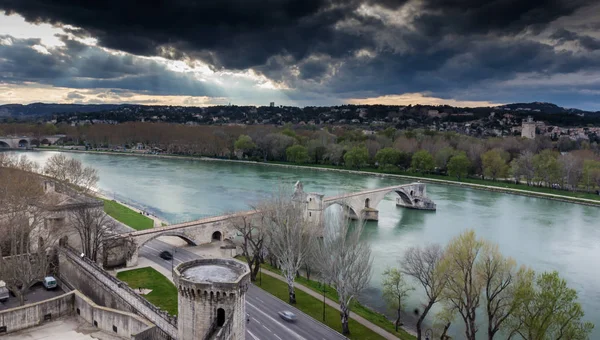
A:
(312, 203)
(528, 128)
(212, 299)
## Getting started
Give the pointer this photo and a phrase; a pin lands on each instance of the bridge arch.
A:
(344, 205)
(216, 236)
(45, 141)
(23, 143)
(4, 145)
(168, 233)
(35, 142)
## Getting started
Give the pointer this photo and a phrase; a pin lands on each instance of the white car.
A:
(50, 282)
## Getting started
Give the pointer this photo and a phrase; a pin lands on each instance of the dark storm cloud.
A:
(584, 41)
(77, 65)
(312, 45)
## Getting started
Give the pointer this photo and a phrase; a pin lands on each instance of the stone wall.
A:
(108, 291)
(31, 315)
(112, 321)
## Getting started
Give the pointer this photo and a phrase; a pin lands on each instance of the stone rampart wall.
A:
(108, 291)
(18, 318)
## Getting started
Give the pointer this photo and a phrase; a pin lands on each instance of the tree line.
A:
(566, 164)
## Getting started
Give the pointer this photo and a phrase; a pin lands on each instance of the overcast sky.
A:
(305, 52)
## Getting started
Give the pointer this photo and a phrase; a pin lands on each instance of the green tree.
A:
(422, 161)
(244, 144)
(357, 157)
(549, 310)
(443, 156)
(390, 133)
(296, 154)
(387, 157)
(464, 287)
(316, 151)
(546, 167)
(459, 165)
(591, 173)
(395, 289)
(494, 163)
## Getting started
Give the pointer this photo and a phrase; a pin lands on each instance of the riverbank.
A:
(515, 189)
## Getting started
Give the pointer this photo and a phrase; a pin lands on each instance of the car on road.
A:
(288, 316)
(165, 255)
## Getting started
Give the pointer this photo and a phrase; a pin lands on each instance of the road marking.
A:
(255, 320)
(298, 336)
(277, 336)
(252, 335)
(267, 329)
(260, 300)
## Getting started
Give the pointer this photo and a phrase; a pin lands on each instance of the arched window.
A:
(216, 236)
(220, 317)
(367, 202)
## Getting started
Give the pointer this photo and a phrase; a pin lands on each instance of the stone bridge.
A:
(12, 142)
(218, 228)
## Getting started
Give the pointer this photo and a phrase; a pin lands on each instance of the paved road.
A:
(35, 294)
(262, 307)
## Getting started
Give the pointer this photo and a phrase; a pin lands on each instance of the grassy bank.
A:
(314, 308)
(127, 216)
(163, 294)
(330, 292)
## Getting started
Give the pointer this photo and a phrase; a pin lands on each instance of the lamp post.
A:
(173, 259)
(324, 289)
(260, 271)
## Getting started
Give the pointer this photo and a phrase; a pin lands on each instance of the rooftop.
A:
(211, 273)
(71, 328)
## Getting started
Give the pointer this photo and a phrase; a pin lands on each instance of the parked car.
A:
(50, 282)
(288, 316)
(4, 295)
(166, 255)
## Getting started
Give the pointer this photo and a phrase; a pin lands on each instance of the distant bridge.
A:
(11, 142)
(217, 228)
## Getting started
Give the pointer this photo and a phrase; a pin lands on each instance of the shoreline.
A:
(158, 222)
(520, 192)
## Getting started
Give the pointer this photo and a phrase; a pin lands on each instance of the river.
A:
(540, 233)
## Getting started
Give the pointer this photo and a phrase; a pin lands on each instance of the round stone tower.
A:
(212, 298)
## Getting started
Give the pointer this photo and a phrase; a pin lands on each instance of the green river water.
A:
(540, 233)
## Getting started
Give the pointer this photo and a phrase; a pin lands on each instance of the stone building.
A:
(211, 299)
(528, 129)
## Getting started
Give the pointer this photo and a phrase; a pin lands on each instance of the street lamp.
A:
(260, 271)
(173, 259)
(324, 289)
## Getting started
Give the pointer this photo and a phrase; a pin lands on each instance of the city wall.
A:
(74, 303)
(108, 291)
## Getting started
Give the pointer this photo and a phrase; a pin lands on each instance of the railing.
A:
(160, 318)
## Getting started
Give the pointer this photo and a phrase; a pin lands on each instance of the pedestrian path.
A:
(335, 305)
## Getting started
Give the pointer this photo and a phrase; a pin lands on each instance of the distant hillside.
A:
(548, 108)
(41, 109)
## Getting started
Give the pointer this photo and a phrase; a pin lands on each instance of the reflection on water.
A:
(543, 234)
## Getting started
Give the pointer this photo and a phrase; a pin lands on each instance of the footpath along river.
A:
(540, 233)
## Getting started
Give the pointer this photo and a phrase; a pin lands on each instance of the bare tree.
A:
(24, 249)
(423, 264)
(94, 228)
(253, 241)
(289, 233)
(572, 169)
(71, 171)
(463, 289)
(523, 166)
(345, 261)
